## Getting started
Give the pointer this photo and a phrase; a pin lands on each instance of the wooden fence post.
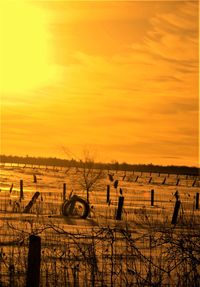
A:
(31, 202)
(116, 183)
(152, 197)
(150, 180)
(21, 196)
(164, 181)
(11, 188)
(34, 259)
(197, 200)
(124, 176)
(64, 191)
(120, 208)
(34, 178)
(108, 194)
(12, 275)
(136, 178)
(194, 182)
(176, 210)
(76, 276)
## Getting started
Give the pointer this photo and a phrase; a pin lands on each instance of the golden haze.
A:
(120, 77)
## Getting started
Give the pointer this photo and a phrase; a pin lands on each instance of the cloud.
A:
(148, 91)
(139, 102)
(71, 11)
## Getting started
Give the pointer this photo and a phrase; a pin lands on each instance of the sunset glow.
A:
(119, 77)
(25, 47)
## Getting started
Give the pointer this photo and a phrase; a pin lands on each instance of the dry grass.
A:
(143, 249)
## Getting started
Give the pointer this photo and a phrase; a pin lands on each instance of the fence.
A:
(104, 256)
(137, 249)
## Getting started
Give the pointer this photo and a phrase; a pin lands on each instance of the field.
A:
(142, 249)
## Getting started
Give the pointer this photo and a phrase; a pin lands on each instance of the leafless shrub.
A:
(89, 176)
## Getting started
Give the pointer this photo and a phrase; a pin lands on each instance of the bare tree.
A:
(89, 175)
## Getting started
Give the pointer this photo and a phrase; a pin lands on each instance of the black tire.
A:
(69, 207)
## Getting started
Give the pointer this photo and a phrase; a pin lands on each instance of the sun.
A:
(25, 49)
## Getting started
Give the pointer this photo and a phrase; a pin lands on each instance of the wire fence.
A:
(144, 248)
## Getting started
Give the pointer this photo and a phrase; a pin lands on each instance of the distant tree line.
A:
(53, 161)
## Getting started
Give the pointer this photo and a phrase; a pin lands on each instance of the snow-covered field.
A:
(99, 250)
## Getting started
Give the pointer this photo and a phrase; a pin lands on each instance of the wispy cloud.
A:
(137, 102)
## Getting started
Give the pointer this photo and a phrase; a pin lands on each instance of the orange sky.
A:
(117, 77)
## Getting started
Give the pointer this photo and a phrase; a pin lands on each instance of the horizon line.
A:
(97, 162)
